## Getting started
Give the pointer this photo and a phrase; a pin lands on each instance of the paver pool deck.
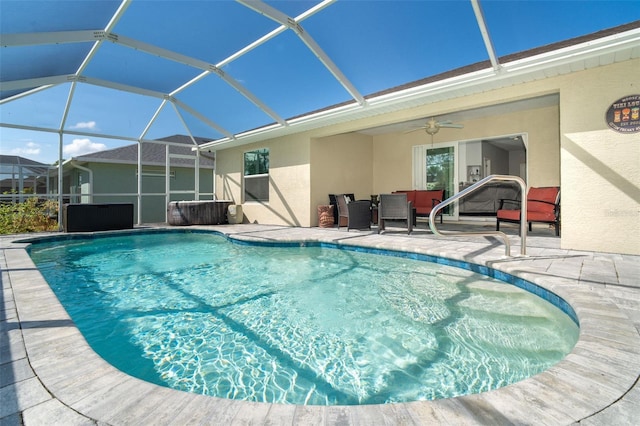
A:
(50, 375)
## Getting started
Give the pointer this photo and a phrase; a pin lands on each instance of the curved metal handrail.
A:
(475, 187)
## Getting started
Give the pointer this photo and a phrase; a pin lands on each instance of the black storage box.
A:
(97, 217)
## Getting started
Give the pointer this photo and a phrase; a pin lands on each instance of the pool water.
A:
(299, 325)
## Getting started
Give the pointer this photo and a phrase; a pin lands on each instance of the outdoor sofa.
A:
(423, 201)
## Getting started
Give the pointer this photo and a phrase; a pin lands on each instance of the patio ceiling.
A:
(238, 72)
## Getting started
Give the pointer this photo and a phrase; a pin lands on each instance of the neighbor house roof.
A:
(153, 154)
(10, 164)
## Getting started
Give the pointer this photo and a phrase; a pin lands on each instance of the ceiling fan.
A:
(432, 126)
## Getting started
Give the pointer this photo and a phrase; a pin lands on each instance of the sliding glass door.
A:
(441, 172)
(456, 166)
(435, 167)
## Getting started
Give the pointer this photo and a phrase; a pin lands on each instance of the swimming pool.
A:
(278, 324)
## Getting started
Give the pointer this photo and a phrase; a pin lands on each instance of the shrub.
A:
(32, 215)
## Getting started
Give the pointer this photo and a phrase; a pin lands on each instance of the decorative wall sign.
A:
(624, 115)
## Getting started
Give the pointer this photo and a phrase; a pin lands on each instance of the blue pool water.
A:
(299, 325)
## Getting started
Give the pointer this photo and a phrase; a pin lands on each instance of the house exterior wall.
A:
(289, 181)
(600, 167)
(568, 145)
(340, 164)
(392, 168)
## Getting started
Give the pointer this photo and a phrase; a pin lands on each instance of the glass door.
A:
(441, 172)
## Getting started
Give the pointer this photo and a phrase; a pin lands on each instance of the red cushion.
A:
(423, 198)
(549, 194)
(411, 195)
(537, 211)
(424, 201)
(531, 216)
(541, 217)
(508, 214)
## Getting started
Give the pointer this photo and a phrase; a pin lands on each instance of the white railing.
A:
(475, 187)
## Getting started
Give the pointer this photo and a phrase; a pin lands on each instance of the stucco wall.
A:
(341, 164)
(289, 181)
(600, 167)
(393, 152)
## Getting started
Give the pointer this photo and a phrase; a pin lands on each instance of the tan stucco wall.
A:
(600, 167)
(289, 181)
(303, 172)
(392, 162)
(393, 152)
(341, 164)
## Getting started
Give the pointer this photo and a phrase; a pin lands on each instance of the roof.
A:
(10, 164)
(153, 154)
(244, 71)
(17, 160)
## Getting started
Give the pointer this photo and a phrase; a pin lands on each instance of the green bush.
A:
(32, 215)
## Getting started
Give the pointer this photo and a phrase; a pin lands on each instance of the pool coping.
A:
(603, 366)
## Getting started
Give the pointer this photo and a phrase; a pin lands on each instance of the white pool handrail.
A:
(475, 187)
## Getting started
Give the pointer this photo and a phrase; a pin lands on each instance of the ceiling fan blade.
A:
(415, 130)
(452, 126)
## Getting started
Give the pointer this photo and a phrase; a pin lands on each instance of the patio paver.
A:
(49, 372)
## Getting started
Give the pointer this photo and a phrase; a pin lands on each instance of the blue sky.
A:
(376, 44)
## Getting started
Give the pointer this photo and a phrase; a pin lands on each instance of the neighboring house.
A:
(19, 175)
(554, 100)
(111, 176)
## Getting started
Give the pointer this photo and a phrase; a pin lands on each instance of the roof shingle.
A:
(152, 153)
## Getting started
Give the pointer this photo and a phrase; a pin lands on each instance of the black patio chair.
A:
(353, 214)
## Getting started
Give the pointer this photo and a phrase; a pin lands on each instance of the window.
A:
(256, 175)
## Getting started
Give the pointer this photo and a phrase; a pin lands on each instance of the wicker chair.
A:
(353, 214)
(395, 207)
(334, 203)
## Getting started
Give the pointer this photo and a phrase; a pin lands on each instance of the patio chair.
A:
(334, 203)
(543, 205)
(395, 207)
(353, 214)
